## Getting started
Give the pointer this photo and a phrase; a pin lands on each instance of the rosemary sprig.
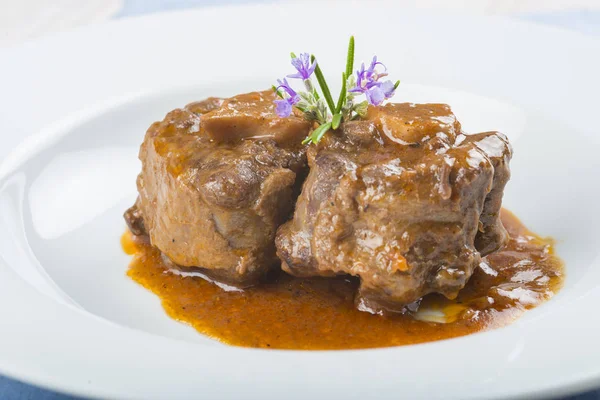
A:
(336, 121)
(342, 97)
(320, 108)
(277, 92)
(320, 132)
(350, 57)
(316, 135)
(323, 85)
(345, 75)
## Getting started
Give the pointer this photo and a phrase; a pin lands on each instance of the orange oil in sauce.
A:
(318, 313)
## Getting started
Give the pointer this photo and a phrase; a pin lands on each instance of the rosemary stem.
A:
(342, 97)
(323, 85)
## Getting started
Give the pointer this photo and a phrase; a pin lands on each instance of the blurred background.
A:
(26, 19)
(22, 20)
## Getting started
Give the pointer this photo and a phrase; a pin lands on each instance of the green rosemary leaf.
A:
(323, 85)
(336, 120)
(311, 89)
(350, 57)
(276, 91)
(361, 108)
(342, 97)
(307, 139)
(396, 84)
(307, 97)
(318, 133)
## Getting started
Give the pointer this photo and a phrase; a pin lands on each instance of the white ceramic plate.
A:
(80, 103)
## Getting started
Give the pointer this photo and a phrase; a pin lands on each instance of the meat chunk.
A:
(404, 200)
(407, 123)
(135, 221)
(215, 185)
(492, 235)
(251, 115)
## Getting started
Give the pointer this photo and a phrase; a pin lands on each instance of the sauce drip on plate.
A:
(317, 313)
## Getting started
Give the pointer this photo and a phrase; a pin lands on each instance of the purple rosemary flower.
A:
(367, 83)
(303, 66)
(284, 106)
(381, 91)
(372, 71)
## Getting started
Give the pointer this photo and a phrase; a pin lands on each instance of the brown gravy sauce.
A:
(318, 313)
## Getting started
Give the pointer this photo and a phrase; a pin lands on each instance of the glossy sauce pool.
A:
(319, 313)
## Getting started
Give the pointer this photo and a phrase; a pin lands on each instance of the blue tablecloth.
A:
(583, 21)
